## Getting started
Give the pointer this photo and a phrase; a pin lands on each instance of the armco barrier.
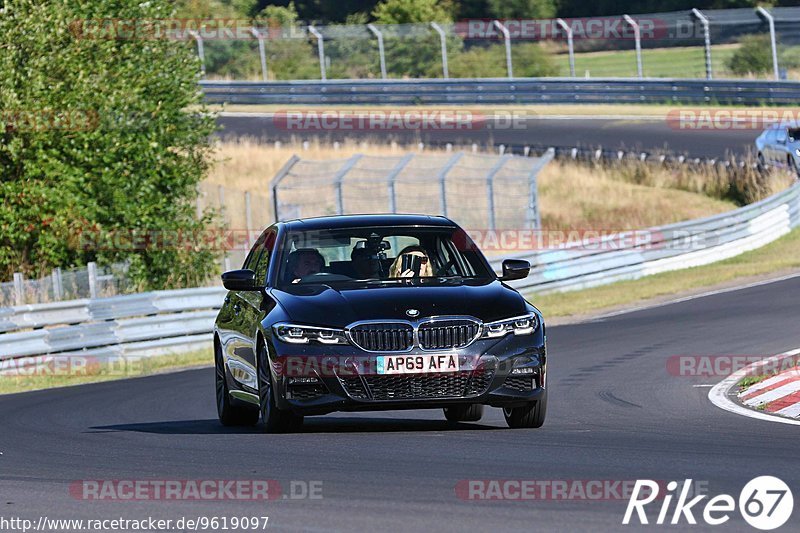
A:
(503, 91)
(685, 244)
(173, 321)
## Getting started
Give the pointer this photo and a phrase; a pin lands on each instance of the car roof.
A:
(356, 221)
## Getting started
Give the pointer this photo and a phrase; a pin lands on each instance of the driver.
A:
(304, 262)
(366, 263)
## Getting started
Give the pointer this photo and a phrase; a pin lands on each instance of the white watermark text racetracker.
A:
(765, 503)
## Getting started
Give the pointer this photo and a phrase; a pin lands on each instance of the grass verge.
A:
(782, 255)
(77, 370)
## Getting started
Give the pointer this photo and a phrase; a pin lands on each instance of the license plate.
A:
(417, 364)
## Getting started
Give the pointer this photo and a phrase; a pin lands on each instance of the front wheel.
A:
(464, 413)
(273, 419)
(229, 414)
(531, 415)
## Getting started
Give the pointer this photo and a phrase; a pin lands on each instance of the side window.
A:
(781, 135)
(252, 258)
(266, 253)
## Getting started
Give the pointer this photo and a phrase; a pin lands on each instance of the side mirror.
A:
(240, 280)
(515, 269)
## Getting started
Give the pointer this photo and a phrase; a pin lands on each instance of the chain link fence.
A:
(684, 44)
(90, 282)
(477, 191)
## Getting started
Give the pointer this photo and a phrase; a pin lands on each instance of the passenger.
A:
(304, 262)
(425, 271)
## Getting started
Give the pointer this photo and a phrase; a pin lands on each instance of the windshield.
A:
(379, 255)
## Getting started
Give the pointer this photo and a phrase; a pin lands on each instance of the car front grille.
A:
(418, 386)
(383, 337)
(436, 334)
(520, 383)
(447, 334)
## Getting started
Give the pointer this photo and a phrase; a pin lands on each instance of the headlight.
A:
(521, 325)
(296, 334)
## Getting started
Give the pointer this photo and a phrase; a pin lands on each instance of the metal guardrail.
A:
(181, 320)
(672, 247)
(503, 91)
(175, 321)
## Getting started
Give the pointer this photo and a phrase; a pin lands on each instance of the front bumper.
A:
(342, 378)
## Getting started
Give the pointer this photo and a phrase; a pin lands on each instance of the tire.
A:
(529, 416)
(273, 420)
(762, 163)
(464, 413)
(229, 414)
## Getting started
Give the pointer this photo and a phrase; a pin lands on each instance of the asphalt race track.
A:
(616, 413)
(648, 135)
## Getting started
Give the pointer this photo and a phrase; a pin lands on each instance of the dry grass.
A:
(572, 195)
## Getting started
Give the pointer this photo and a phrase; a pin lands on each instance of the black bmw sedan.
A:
(375, 312)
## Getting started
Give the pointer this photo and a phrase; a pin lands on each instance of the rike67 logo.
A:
(765, 503)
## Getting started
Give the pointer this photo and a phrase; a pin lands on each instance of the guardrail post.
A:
(19, 289)
(58, 284)
(507, 39)
(533, 214)
(91, 269)
(570, 44)
(381, 52)
(637, 35)
(261, 52)
(707, 38)
(442, 177)
(443, 41)
(490, 190)
(200, 51)
(773, 41)
(321, 51)
(391, 179)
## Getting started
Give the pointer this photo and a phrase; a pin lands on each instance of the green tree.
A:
(526, 9)
(95, 137)
(411, 11)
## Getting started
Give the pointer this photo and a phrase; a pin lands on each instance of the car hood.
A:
(339, 306)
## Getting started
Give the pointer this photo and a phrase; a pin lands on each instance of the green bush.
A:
(754, 56)
(529, 60)
(95, 138)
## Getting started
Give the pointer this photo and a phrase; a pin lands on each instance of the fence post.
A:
(443, 41)
(200, 51)
(570, 44)
(58, 284)
(248, 218)
(507, 39)
(91, 269)
(707, 37)
(638, 38)
(391, 179)
(442, 177)
(381, 53)
(533, 215)
(490, 189)
(771, 21)
(19, 289)
(276, 181)
(261, 52)
(321, 51)
(338, 181)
